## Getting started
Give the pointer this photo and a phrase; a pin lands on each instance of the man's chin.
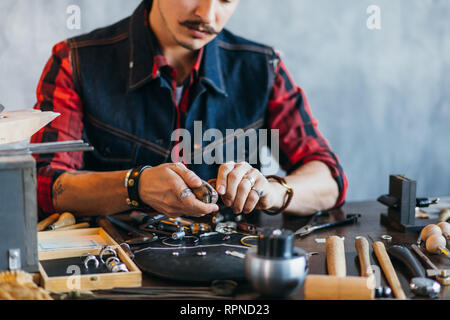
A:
(194, 44)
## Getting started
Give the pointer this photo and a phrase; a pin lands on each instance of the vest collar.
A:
(144, 46)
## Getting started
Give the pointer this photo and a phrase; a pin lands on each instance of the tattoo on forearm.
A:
(58, 189)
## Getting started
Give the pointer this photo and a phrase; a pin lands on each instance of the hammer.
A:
(441, 275)
(337, 285)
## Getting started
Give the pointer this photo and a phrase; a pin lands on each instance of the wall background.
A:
(382, 97)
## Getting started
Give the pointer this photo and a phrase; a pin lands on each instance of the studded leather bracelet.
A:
(289, 194)
(132, 184)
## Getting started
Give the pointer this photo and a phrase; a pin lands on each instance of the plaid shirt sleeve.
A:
(56, 92)
(299, 138)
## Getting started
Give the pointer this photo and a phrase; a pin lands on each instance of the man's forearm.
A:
(314, 188)
(90, 193)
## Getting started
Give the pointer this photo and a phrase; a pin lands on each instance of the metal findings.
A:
(227, 228)
(114, 265)
(90, 257)
(105, 250)
(386, 238)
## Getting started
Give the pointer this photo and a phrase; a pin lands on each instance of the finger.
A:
(233, 180)
(221, 182)
(190, 205)
(188, 176)
(242, 194)
(253, 197)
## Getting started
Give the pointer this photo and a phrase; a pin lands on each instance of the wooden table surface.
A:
(367, 225)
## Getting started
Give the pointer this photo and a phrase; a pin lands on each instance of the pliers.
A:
(313, 225)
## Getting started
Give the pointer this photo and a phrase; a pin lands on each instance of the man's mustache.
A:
(199, 26)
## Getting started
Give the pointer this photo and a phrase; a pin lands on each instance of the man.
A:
(126, 88)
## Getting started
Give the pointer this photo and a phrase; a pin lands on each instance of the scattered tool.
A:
(141, 218)
(362, 248)
(428, 231)
(444, 215)
(132, 230)
(445, 227)
(313, 225)
(441, 275)
(76, 226)
(42, 225)
(219, 289)
(388, 269)
(436, 244)
(276, 268)
(66, 219)
(419, 284)
(337, 286)
(325, 287)
(336, 256)
(402, 203)
(112, 231)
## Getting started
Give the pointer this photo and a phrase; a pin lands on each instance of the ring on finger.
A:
(259, 192)
(251, 179)
(186, 193)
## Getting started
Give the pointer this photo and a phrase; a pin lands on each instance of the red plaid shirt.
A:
(288, 111)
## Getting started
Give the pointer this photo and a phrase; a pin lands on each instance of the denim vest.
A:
(129, 115)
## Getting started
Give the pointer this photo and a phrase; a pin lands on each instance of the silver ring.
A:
(107, 249)
(251, 179)
(110, 260)
(258, 191)
(186, 193)
(91, 257)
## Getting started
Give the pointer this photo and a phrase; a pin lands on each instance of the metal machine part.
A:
(383, 292)
(276, 268)
(419, 284)
(425, 287)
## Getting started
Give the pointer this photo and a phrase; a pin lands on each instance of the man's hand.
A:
(240, 185)
(161, 188)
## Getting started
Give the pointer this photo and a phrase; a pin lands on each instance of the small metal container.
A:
(276, 275)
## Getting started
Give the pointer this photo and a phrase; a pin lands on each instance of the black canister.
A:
(275, 243)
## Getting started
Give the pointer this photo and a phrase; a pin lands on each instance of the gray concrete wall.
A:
(382, 96)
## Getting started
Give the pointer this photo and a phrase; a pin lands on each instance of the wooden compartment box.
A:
(77, 243)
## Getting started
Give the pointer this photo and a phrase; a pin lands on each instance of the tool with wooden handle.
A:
(388, 269)
(323, 287)
(47, 221)
(445, 227)
(81, 225)
(441, 275)
(430, 230)
(336, 256)
(66, 219)
(362, 248)
(436, 244)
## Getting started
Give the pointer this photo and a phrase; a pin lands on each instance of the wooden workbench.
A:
(368, 225)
